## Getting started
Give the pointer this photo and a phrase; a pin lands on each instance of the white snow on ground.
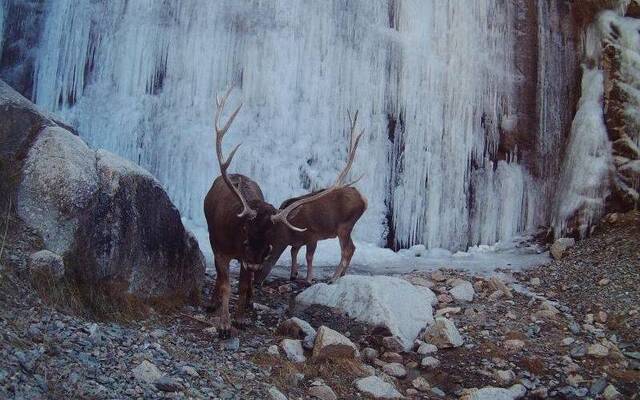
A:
(377, 300)
(370, 259)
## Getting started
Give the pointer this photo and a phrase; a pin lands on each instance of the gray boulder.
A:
(110, 220)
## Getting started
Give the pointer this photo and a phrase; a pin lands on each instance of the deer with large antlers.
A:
(241, 226)
(323, 214)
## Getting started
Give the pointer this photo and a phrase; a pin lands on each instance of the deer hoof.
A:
(224, 334)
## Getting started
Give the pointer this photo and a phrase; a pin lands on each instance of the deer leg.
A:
(215, 297)
(244, 298)
(311, 249)
(347, 248)
(224, 291)
(294, 262)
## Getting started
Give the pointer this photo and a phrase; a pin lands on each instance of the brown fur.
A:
(327, 217)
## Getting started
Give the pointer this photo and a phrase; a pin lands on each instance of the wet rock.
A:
(560, 246)
(146, 372)
(293, 350)
(396, 370)
(330, 344)
(377, 388)
(443, 334)
(322, 392)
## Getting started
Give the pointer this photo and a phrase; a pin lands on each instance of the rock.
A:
(597, 350)
(496, 284)
(430, 362)
(411, 392)
(377, 300)
(505, 377)
(443, 334)
(448, 310)
(369, 353)
(330, 344)
(188, 370)
(493, 393)
(298, 329)
(534, 281)
(276, 394)
(46, 265)
(513, 344)
(598, 386)
(377, 388)
(444, 298)
(322, 392)
(273, 350)
(396, 370)
(604, 281)
(427, 348)
(602, 317)
(392, 343)
(436, 391)
(390, 356)
(463, 291)
(560, 246)
(167, 384)
(286, 288)
(421, 384)
(158, 333)
(295, 379)
(568, 341)
(578, 351)
(110, 220)
(438, 276)
(611, 393)
(293, 350)
(146, 372)
(575, 380)
(231, 344)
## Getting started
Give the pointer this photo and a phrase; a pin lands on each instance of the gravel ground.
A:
(566, 330)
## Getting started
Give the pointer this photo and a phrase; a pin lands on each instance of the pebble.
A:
(427, 348)
(513, 344)
(396, 370)
(611, 393)
(369, 353)
(276, 394)
(597, 350)
(322, 392)
(377, 388)
(430, 362)
(421, 384)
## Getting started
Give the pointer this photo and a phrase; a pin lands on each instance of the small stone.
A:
(444, 298)
(322, 392)
(602, 316)
(513, 344)
(611, 393)
(559, 247)
(188, 370)
(293, 350)
(273, 350)
(392, 343)
(158, 333)
(276, 394)
(330, 344)
(463, 291)
(286, 288)
(421, 384)
(396, 370)
(535, 281)
(495, 283)
(598, 386)
(295, 379)
(505, 377)
(436, 391)
(298, 329)
(146, 372)
(578, 351)
(568, 341)
(430, 362)
(377, 388)
(438, 276)
(167, 384)
(604, 281)
(427, 348)
(575, 380)
(391, 357)
(447, 311)
(231, 344)
(369, 353)
(574, 327)
(443, 334)
(597, 350)
(411, 392)
(511, 315)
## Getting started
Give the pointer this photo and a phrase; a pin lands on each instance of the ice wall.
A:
(436, 82)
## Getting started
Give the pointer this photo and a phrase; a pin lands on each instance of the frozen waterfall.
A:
(437, 84)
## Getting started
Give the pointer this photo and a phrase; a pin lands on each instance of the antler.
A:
(283, 215)
(224, 164)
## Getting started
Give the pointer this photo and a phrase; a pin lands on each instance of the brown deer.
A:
(241, 224)
(327, 213)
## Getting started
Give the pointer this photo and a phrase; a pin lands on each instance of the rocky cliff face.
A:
(109, 220)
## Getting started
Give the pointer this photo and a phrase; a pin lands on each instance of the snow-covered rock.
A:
(378, 300)
(377, 388)
(443, 334)
(462, 291)
(331, 344)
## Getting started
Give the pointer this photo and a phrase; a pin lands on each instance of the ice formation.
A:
(435, 82)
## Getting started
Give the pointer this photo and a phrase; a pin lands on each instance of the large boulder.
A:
(110, 220)
(377, 300)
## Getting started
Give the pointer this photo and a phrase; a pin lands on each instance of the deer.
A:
(241, 226)
(323, 214)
